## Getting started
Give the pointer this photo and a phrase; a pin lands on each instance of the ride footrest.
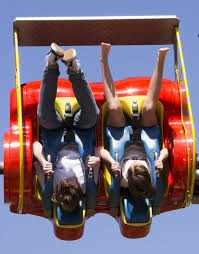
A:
(136, 210)
(70, 218)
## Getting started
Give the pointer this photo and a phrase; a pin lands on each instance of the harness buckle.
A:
(135, 133)
(68, 116)
(68, 134)
(135, 114)
(90, 173)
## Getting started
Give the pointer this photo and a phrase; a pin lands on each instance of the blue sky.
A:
(170, 232)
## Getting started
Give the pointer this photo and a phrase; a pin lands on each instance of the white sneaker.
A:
(56, 50)
(69, 56)
(54, 54)
(57, 53)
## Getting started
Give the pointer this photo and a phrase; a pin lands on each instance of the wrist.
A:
(98, 159)
(112, 161)
(43, 161)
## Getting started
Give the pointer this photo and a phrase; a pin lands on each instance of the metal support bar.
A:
(190, 187)
(19, 118)
(175, 47)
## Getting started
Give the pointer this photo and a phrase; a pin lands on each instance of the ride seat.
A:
(136, 210)
(132, 211)
(61, 218)
(75, 218)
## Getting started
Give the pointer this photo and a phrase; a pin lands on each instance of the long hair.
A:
(139, 182)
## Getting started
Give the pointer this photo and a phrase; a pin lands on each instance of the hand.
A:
(159, 164)
(115, 166)
(92, 162)
(105, 49)
(47, 168)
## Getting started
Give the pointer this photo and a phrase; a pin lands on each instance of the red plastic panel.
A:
(11, 166)
(174, 139)
(68, 234)
(133, 231)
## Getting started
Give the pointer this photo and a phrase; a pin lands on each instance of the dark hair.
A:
(67, 195)
(139, 182)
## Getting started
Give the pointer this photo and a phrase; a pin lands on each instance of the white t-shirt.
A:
(68, 164)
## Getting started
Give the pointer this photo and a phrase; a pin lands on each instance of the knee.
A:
(41, 119)
(148, 108)
(97, 113)
(95, 116)
(40, 116)
(114, 107)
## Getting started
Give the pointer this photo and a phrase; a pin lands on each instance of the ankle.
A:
(74, 67)
(52, 66)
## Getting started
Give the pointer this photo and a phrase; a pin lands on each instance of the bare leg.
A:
(116, 117)
(148, 111)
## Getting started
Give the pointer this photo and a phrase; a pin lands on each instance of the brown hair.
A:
(139, 182)
(67, 195)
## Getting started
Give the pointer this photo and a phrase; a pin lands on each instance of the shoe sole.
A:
(59, 52)
(69, 55)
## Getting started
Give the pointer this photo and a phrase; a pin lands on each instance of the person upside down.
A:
(68, 169)
(136, 174)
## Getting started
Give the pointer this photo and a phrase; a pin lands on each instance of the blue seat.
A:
(136, 210)
(85, 140)
(70, 218)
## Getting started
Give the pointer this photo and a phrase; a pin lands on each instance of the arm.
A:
(164, 154)
(109, 161)
(93, 161)
(39, 155)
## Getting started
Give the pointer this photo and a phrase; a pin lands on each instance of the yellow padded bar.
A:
(60, 103)
(19, 118)
(189, 193)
